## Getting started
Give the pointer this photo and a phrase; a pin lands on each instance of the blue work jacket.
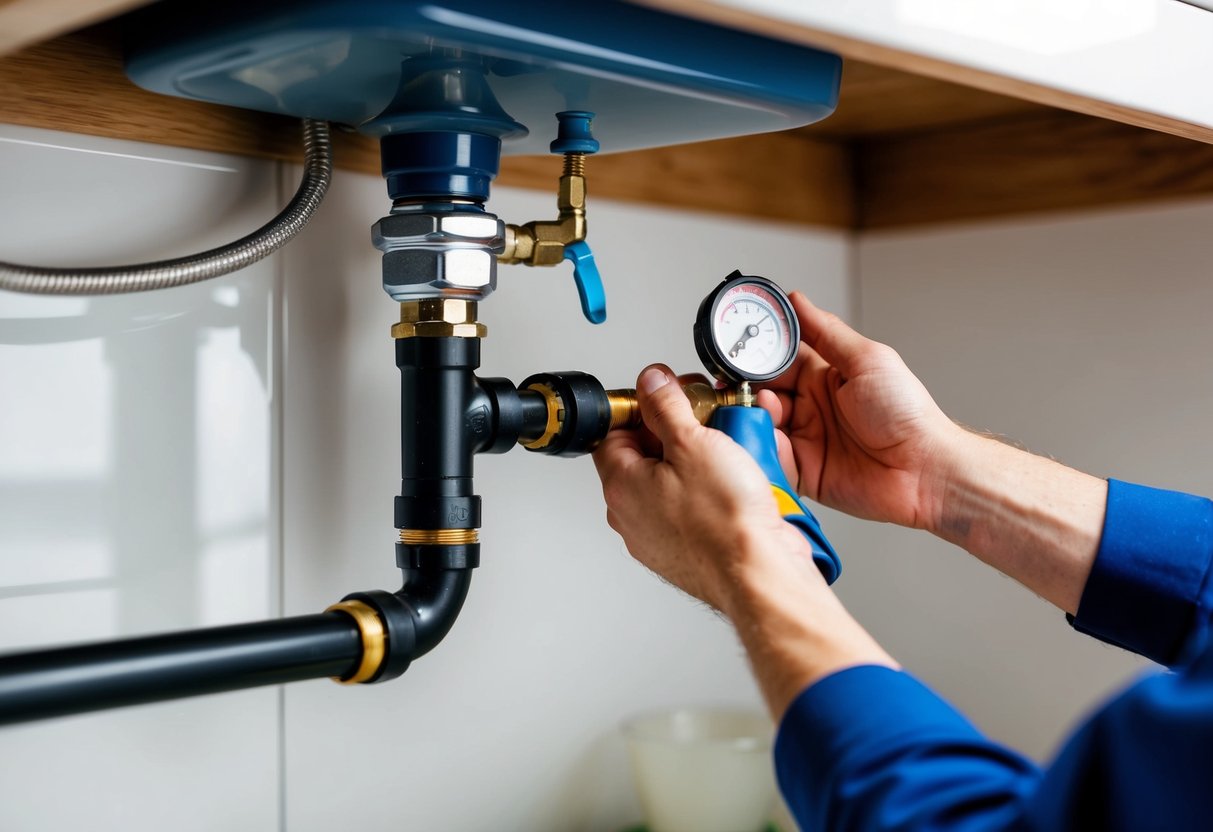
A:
(871, 748)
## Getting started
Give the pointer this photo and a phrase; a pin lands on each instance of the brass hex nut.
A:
(438, 317)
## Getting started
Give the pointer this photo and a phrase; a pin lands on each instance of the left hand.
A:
(689, 502)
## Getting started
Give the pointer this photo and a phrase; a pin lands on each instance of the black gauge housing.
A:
(719, 364)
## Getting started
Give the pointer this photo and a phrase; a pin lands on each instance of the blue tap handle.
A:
(751, 428)
(588, 280)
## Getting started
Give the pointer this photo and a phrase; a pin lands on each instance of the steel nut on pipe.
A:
(439, 253)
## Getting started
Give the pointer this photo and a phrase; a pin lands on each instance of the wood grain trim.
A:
(76, 84)
(1049, 161)
(776, 176)
(893, 58)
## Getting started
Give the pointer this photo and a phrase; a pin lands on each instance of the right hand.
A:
(856, 430)
(689, 502)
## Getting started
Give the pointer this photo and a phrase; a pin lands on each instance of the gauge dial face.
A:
(753, 330)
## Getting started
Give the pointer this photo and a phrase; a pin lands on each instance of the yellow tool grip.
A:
(786, 502)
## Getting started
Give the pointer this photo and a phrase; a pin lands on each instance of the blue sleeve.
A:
(870, 748)
(1144, 590)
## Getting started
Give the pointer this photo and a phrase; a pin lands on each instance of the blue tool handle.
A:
(588, 280)
(751, 428)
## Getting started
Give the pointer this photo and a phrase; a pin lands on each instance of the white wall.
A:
(1088, 339)
(137, 487)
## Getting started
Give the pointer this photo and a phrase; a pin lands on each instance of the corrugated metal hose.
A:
(163, 274)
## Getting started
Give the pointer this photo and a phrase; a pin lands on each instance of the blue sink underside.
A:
(652, 79)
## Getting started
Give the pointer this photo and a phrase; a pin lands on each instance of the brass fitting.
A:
(438, 318)
(374, 640)
(439, 537)
(555, 408)
(542, 242)
(625, 409)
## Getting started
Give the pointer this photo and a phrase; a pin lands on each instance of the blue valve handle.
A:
(751, 428)
(588, 280)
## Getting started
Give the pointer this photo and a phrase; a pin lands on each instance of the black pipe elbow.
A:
(420, 614)
(434, 598)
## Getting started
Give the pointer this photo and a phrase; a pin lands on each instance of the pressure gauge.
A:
(746, 330)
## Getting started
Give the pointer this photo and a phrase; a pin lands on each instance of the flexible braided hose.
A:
(163, 274)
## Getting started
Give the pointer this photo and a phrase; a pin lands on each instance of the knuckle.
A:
(679, 439)
(883, 353)
(832, 320)
(668, 405)
(613, 492)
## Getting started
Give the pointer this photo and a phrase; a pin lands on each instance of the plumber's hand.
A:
(688, 501)
(856, 430)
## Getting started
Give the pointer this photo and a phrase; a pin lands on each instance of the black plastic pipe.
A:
(435, 597)
(93, 677)
(437, 440)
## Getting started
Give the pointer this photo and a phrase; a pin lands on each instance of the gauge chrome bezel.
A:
(713, 358)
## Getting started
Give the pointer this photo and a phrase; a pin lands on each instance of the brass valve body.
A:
(542, 242)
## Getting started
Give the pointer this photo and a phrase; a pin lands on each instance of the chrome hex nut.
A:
(405, 230)
(418, 272)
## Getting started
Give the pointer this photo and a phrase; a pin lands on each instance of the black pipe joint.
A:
(450, 556)
(501, 414)
(400, 629)
(586, 416)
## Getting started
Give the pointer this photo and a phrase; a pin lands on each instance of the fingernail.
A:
(652, 379)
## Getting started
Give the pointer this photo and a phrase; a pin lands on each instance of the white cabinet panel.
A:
(563, 635)
(136, 476)
(1150, 55)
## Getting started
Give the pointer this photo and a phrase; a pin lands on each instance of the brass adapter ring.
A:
(374, 640)
(555, 410)
(439, 537)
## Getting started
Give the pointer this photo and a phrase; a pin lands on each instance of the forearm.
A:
(1029, 517)
(794, 629)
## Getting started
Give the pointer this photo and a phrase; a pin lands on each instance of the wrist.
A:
(956, 460)
(1029, 517)
(794, 629)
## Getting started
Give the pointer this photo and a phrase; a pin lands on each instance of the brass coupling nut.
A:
(438, 318)
(374, 640)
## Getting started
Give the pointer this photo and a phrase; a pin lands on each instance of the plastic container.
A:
(703, 770)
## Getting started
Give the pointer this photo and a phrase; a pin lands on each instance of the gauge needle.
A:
(750, 332)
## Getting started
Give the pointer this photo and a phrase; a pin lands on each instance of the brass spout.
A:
(542, 242)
